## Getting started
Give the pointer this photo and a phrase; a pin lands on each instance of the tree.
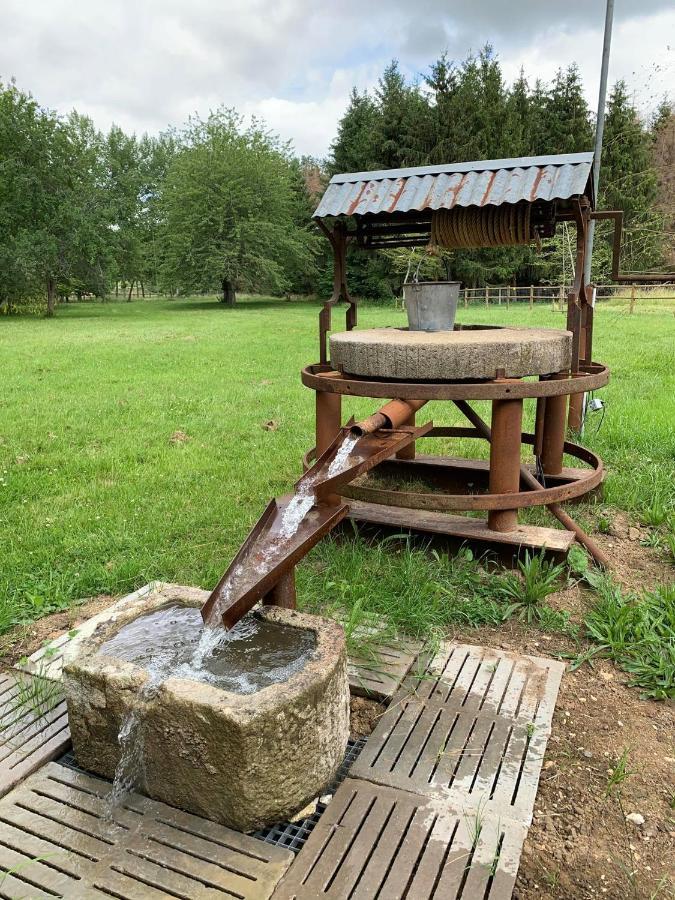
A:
(229, 210)
(353, 149)
(566, 117)
(663, 157)
(53, 225)
(629, 181)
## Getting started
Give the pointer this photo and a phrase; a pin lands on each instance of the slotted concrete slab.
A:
(56, 841)
(376, 842)
(378, 672)
(470, 728)
(33, 726)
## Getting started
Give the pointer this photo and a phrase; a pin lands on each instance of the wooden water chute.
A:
(469, 205)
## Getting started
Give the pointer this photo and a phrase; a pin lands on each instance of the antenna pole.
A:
(599, 129)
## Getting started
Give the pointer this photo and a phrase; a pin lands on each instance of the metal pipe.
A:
(598, 555)
(553, 432)
(599, 130)
(391, 415)
(507, 427)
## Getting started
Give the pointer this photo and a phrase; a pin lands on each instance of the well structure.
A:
(486, 203)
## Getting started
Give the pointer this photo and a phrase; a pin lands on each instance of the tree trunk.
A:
(131, 287)
(142, 291)
(229, 296)
(117, 289)
(51, 296)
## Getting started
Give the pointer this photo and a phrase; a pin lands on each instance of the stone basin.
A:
(244, 760)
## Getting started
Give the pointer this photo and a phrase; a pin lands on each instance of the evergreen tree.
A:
(629, 180)
(353, 150)
(566, 117)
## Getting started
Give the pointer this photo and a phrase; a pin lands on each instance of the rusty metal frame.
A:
(442, 502)
(590, 377)
(616, 216)
(338, 238)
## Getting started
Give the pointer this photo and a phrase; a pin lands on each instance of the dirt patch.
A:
(23, 640)
(365, 714)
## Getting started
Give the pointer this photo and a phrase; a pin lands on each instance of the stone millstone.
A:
(244, 760)
(470, 352)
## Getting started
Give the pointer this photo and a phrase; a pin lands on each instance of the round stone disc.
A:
(470, 352)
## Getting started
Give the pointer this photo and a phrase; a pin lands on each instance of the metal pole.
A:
(599, 129)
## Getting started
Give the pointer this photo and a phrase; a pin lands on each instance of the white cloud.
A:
(148, 63)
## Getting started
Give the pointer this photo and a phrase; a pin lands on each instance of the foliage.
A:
(52, 208)
(526, 592)
(229, 210)
(637, 632)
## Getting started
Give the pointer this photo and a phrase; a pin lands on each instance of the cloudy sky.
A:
(147, 63)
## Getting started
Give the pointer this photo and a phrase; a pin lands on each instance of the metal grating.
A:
(55, 841)
(470, 728)
(33, 726)
(378, 672)
(375, 842)
(293, 835)
(290, 835)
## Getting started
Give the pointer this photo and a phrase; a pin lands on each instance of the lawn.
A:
(141, 440)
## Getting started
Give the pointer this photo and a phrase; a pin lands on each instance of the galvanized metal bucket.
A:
(431, 305)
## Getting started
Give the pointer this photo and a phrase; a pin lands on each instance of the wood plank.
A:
(57, 814)
(469, 728)
(378, 673)
(402, 845)
(533, 537)
(33, 727)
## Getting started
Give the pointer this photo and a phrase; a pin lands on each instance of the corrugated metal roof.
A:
(479, 183)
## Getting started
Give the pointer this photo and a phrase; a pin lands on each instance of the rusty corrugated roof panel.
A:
(481, 183)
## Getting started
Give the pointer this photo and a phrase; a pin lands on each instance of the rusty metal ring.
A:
(590, 378)
(469, 502)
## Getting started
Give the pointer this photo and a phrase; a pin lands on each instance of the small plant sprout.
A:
(618, 775)
(530, 728)
(526, 592)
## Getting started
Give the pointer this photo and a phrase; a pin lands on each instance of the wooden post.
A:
(487, 295)
(531, 296)
(632, 299)
(561, 294)
(499, 298)
(466, 302)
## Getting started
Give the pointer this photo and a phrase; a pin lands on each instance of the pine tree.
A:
(628, 180)
(354, 150)
(567, 120)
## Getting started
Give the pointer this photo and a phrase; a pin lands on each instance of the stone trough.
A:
(244, 760)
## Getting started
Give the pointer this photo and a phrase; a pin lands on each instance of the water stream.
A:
(174, 642)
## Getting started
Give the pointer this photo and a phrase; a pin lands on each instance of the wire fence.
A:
(556, 295)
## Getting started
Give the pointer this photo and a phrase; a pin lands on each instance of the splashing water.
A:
(343, 454)
(296, 511)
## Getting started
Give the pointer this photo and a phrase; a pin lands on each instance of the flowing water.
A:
(173, 643)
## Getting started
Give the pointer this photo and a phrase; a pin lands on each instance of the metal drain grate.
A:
(293, 835)
(473, 733)
(33, 726)
(289, 835)
(55, 841)
(375, 842)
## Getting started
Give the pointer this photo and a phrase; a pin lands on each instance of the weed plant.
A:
(526, 591)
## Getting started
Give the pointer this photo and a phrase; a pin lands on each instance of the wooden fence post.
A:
(487, 295)
(531, 296)
(632, 299)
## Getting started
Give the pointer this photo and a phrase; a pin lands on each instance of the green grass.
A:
(96, 497)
